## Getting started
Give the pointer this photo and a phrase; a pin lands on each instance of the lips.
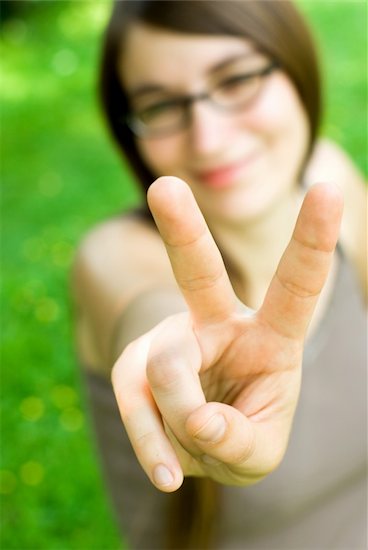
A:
(225, 175)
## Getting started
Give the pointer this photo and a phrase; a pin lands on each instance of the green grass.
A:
(60, 175)
(340, 28)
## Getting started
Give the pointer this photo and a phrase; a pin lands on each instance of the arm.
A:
(122, 286)
(144, 312)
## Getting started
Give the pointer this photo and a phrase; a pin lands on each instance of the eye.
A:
(236, 81)
(159, 110)
(237, 89)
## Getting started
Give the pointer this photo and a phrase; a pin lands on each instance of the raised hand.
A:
(212, 392)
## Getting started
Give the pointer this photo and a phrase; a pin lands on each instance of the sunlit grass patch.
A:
(60, 175)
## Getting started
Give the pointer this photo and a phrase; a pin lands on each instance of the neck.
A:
(253, 248)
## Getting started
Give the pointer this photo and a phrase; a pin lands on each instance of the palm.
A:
(213, 361)
(256, 379)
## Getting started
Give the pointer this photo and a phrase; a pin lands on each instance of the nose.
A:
(210, 129)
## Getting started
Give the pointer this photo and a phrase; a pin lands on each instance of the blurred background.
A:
(60, 175)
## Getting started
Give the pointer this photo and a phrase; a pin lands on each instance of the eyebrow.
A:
(150, 88)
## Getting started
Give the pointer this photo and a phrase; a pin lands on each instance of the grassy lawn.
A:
(59, 176)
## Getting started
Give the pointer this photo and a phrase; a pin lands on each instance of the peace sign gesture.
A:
(212, 392)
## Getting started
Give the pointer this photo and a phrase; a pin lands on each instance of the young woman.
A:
(206, 322)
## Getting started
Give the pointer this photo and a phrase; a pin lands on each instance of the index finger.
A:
(196, 261)
(304, 266)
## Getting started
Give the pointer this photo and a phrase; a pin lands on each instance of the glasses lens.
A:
(237, 91)
(161, 117)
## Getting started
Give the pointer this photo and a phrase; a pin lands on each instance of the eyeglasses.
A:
(164, 117)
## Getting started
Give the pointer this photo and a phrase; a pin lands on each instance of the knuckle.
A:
(272, 461)
(163, 371)
(311, 244)
(270, 465)
(128, 405)
(241, 453)
(302, 271)
(296, 289)
(144, 440)
(200, 282)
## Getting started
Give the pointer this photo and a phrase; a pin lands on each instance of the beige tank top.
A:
(317, 499)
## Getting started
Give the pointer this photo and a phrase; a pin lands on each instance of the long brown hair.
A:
(277, 30)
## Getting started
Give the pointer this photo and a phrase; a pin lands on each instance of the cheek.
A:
(162, 156)
(280, 119)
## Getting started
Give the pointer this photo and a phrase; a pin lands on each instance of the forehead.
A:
(156, 55)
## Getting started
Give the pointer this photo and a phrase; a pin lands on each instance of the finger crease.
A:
(246, 453)
(295, 289)
(201, 282)
(312, 246)
(187, 243)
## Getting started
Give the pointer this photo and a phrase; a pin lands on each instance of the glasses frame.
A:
(141, 130)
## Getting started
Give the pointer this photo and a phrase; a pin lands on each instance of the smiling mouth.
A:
(226, 175)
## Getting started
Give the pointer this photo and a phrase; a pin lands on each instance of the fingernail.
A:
(213, 430)
(162, 475)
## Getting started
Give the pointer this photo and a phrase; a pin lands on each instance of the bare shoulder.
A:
(116, 261)
(121, 247)
(121, 233)
(329, 162)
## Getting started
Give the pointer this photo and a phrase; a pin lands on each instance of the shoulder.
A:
(127, 243)
(329, 162)
(123, 232)
(118, 259)
(116, 262)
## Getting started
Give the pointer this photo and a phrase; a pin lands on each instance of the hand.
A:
(212, 392)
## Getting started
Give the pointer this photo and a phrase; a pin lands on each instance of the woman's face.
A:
(238, 163)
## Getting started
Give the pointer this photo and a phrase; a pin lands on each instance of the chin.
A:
(245, 204)
(235, 213)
